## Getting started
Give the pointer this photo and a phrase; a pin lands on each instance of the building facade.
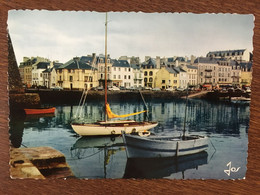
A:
(76, 74)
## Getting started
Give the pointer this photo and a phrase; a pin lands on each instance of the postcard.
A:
(129, 95)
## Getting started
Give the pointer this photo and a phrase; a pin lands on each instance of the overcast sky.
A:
(62, 35)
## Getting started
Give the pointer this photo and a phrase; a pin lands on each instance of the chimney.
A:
(158, 62)
(146, 58)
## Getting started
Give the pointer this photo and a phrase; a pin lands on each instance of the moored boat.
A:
(40, 110)
(163, 146)
(110, 127)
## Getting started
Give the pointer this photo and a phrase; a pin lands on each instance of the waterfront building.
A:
(167, 78)
(239, 55)
(138, 75)
(76, 74)
(50, 75)
(224, 75)
(122, 74)
(183, 77)
(37, 73)
(192, 72)
(207, 71)
(246, 74)
(150, 68)
(25, 68)
(100, 65)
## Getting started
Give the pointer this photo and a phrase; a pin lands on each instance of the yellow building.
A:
(76, 75)
(167, 78)
(246, 74)
(150, 69)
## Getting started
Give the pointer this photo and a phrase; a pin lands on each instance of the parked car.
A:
(169, 89)
(56, 88)
(114, 88)
(100, 88)
(122, 88)
(147, 88)
(180, 89)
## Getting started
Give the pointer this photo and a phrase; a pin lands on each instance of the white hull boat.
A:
(162, 146)
(112, 127)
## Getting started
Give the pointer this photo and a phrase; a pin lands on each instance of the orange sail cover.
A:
(110, 114)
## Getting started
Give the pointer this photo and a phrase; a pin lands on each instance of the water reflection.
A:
(226, 124)
(163, 167)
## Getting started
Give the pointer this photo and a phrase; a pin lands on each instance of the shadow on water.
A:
(163, 167)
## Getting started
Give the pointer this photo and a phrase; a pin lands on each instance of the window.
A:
(114, 76)
(151, 73)
(163, 81)
(145, 80)
(129, 69)
(150, 79)
(145, 73)
(125, 77)
(119, 69)
(71, 78)
(119, 76)
(129, 77)
(114, 68)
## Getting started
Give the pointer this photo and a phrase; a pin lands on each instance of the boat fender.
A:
(113, 132)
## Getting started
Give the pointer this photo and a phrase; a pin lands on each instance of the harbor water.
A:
(226, 124)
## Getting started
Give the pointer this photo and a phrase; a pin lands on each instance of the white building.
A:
(37, 73)
(192, 72)
(240, 55)
(183, 77)
(122, 74)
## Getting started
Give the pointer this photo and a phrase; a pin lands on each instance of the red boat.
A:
(40, 110)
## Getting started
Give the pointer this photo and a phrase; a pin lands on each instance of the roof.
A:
(206, 60)
(219, 53)
(43, 65)
(121, 63)
(246, 65)
(192, 67)
(75, 64)
(86, 59)
(178, 69)
(171, 70)
(151, 62)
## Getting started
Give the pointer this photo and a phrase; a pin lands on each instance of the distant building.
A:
(150, 68)
(122, 74)
(138, 75)
(167, 78)
(192, 72)
(37, 73)
(76, 74)
(100, 65)
(25, 68)
(246, 74)
(183, 77)
(50, 75)
(239, 55)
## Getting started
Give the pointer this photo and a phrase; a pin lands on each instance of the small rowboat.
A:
(40, 110)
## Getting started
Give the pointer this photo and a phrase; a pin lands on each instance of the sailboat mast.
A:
(184, 125)
(106, 69)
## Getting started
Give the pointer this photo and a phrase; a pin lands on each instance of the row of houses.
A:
(233, 67)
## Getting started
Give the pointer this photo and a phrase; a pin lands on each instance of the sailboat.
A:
(111, 127)
(164, 146)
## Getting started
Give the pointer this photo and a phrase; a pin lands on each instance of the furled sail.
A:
(110, 114)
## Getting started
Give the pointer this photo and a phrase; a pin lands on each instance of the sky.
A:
(62, 35)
